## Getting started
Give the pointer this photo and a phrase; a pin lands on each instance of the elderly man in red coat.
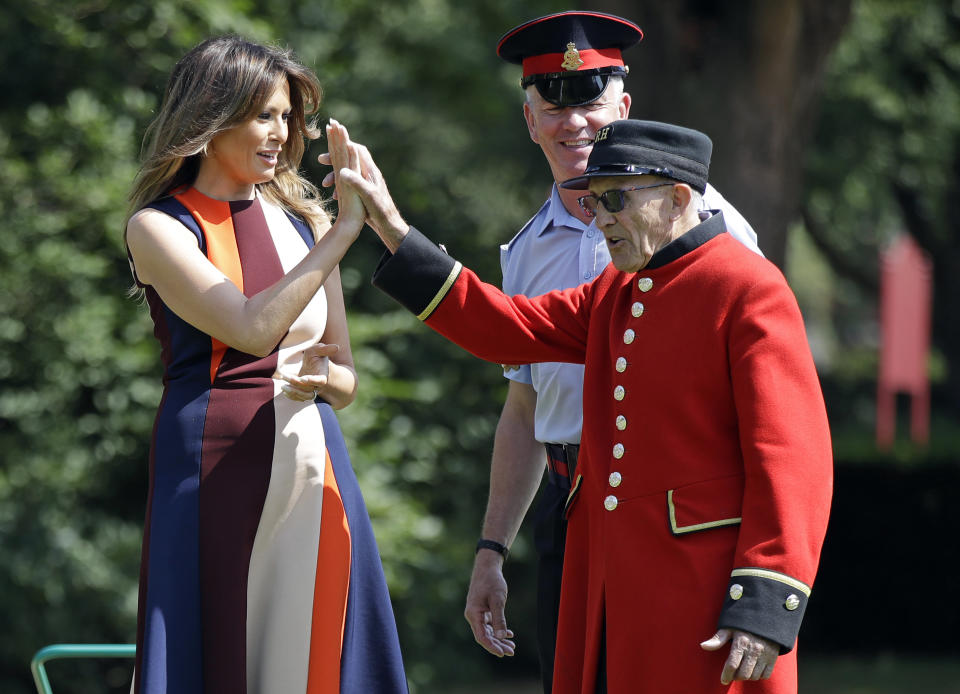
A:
(702, 494)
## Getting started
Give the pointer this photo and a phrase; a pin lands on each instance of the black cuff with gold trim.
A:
(417, 275)
(766, 603)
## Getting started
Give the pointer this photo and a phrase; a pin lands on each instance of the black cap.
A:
(570, 56)
(635, 147)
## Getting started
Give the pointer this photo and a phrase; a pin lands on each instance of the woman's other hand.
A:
(314, 373)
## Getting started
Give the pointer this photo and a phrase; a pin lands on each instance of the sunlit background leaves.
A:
(419, 83)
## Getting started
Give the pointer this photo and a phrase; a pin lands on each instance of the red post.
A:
(906, 298)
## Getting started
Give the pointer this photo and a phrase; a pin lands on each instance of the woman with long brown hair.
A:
(259, 571)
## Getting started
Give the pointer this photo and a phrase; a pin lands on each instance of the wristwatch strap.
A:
(494, 545)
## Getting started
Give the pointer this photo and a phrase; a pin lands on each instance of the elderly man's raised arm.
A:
(479, 317)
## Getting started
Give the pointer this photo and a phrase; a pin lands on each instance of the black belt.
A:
(562, 462)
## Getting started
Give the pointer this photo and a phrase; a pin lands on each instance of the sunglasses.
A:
(613, 200)
(572, 89)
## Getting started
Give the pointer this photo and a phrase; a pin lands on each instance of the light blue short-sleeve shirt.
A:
(555, 250)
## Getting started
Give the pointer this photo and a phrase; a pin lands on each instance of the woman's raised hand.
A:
(344, 156)
(366, 181)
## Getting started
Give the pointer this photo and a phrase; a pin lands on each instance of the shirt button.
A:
(628, 336)
(618, 451)
(621, 365)
(619, 392)
(645, 284)
(621, 422)
(590, 234)
(615, 479)
(610, 502)
(587, 275)
(636, 309)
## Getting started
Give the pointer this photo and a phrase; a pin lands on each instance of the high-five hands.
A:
(365, 181)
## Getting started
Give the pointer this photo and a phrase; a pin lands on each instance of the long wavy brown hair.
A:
(219, 84)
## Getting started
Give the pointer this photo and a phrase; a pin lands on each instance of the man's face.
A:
(643, 227)
(565, 133)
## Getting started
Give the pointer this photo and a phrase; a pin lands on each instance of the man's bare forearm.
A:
(516, 468)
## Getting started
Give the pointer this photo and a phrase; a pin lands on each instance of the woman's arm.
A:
(167, 257)
(340, 387)
(327, 368)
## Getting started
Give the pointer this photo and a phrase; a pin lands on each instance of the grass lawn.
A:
(880, 675)
(822, 675)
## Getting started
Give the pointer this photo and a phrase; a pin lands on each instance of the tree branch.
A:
(915, 218)
(841, 262)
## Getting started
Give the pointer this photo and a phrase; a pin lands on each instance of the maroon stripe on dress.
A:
(238, 446)
(255, 244)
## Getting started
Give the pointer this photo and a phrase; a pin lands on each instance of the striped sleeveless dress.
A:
(259, 571)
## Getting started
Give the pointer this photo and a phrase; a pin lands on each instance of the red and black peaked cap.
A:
(570, 56)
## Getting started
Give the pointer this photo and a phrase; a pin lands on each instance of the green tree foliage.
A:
(418, 81)
(887, 159)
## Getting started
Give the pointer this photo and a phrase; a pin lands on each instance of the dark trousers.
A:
(549, 533)
(602, 665)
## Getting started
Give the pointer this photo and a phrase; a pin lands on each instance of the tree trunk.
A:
(746, 73)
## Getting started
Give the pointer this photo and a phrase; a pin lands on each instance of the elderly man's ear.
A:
(681, 197)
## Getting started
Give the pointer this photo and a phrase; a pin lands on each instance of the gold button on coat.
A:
(619, 392)
(636, 309)
(618, 451)
(621, 364)
(610, 502)
(736, 591)
(615, 479)
(792, 602)
(621, 422)
(628, 336)
(645, 284)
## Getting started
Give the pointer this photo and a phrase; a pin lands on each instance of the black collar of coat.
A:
(693, 239)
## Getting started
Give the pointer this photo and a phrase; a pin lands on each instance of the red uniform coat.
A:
(703, 487)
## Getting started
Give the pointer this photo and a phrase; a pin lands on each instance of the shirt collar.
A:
(559, 217)
(692, 240)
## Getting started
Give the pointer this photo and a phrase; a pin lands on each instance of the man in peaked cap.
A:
(570, 56)
(573, 72)
(702, 489)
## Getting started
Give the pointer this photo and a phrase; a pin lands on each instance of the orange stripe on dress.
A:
(216, 222)
(330, 591)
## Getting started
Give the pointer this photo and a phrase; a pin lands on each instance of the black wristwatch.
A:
(494, 545)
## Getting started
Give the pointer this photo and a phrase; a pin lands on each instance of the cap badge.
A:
(571, 58)
(601, 134)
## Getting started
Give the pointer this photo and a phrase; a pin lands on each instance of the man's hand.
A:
(751, 657)
(486, 600)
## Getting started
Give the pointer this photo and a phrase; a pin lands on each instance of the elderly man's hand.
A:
(751, 657)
